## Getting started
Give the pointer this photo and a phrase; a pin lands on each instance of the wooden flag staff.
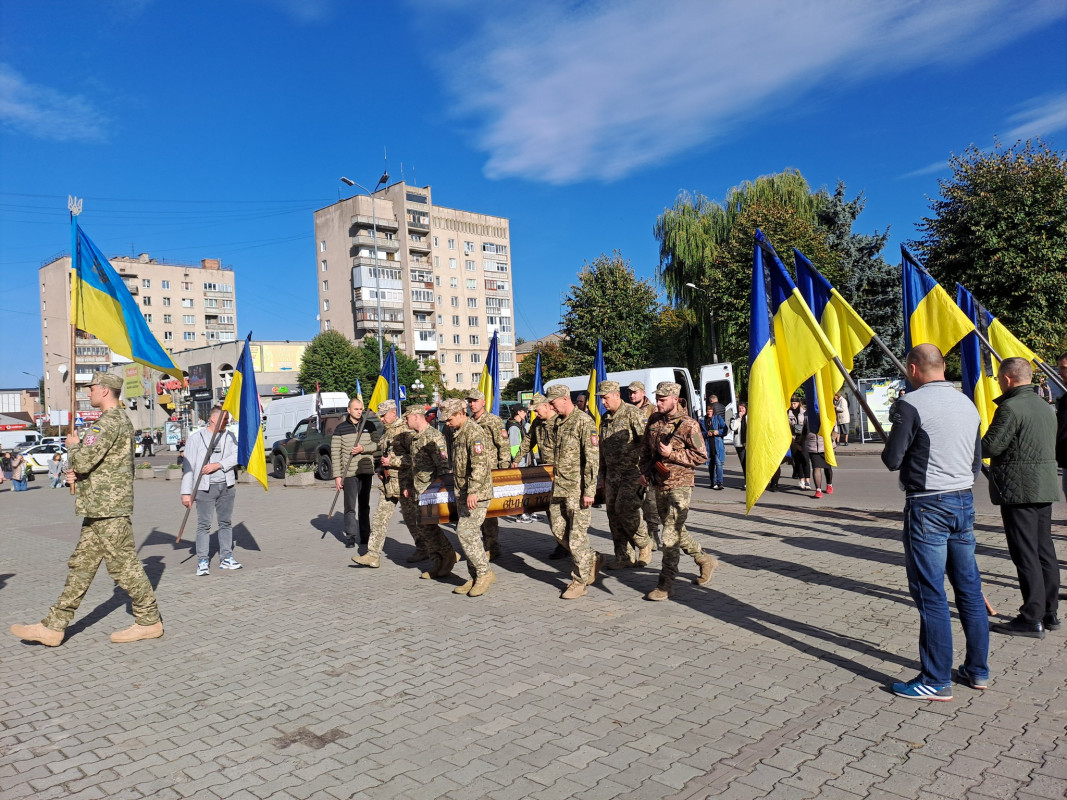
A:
(344, 471)
(74, 205)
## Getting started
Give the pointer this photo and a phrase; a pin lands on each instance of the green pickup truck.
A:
(307, 444)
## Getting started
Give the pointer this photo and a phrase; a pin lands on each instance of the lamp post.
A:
(377, 269)
(417, 386)
(711, 313)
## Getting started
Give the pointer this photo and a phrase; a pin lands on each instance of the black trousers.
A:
(357, 499)
(1028, 528)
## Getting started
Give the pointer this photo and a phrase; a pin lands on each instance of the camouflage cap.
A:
(559, 390)
(668, 389)
(415, 408)
(475, 394)
(607, 387)
(636, 386)
(537, 400)
(449, 408)
(108, 379)
(385, 407)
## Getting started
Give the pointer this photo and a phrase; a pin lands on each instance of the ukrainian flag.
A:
(786, 346)
(489, 382)
(388, 385)
(539, 384)
(242, 403)
(847, 333)
(101, 304)
(930, 316)
(597, 376)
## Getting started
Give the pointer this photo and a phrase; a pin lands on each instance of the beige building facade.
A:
(185, 305)
(442, 279)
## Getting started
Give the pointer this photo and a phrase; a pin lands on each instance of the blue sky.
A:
(213, 130)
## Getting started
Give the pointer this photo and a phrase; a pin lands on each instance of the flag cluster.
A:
(388, 385)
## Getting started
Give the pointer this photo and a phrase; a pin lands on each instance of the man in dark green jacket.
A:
(1020, 444)
(1061, 422)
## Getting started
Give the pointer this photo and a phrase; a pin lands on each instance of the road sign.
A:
(403, 393)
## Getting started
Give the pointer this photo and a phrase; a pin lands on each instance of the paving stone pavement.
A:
(303, 676)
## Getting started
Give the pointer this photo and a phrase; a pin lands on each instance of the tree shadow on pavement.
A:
(5, 577)
(153, 567)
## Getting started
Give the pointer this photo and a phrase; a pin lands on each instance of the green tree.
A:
(610, 303)
(331, 361)
(1000, 228)
(673, 338)
(368, 370)
(555, 363)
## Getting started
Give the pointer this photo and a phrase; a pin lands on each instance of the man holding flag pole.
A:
(484, 407)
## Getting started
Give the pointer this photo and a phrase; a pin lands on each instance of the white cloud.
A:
(561, 92)
(46, 113)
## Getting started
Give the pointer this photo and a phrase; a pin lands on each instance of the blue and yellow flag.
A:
(539, 384)
(388, 385)
(846, 332)
(786, 346)
(597, 375)
(489, 382)
(101, 304)
(242, 403)
(930, 316)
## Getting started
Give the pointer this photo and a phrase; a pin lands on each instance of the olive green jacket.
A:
(1021, 446)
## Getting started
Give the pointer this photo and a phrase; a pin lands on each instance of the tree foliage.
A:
(369, 369)
(555, 363)
(608, 302)
(999, 227)
(332, 362)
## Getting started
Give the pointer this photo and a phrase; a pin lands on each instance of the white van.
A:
(284, 413)
(9, 440)
(717, 379)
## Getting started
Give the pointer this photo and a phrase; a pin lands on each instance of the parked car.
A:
(39, 456)
(306, 444)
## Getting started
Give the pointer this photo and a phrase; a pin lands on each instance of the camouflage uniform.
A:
(429, 461)
(577, 459)
(496, 436)
(620, 445)
(474, 475)
(543, 436)
(649, 513)
(673, 492)
(103, 463)
(396, 444)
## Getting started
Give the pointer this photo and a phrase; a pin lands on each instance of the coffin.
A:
(515, 491)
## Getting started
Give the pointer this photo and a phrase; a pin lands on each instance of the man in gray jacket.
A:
(1021, 446)
(215, 492)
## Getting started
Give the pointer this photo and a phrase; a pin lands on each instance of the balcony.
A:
(421, 306)
(420, 247)
(419, 227)
(390, 322)
(360, 221)
(367, 240)
(423, 326)
(428, 345)
(219, 326)
(368, 261)
(370, 277)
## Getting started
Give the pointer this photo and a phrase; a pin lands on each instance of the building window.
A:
(459, 377)
(324, 265)
(187, 302)
(455, 320)
(472, 302)
(227, 303)
(211, 302)
(455, 338)
(475, 339)
(475, 377)
(422, 296)
(436, 261)
(435, 241)
(146, 283)
(455, 301)
(451, 244)
(188, 319)
(325, 305)
(148, 318)
(325, 324)
(468, 247)
(451, 263)
(168, 336)
(472, 322)
(166, 301)
(226, 319)
(164, 284)
(189, 336)
(458, 358)
(470, 265)
(471, 283)
(476, 358)
(187, 286)
(325, 286)
(322, 247)
(440, 319)
(166, 319)
(506, 375)
(146, 301)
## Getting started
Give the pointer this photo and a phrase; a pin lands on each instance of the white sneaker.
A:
(203, 567)
(229, 563)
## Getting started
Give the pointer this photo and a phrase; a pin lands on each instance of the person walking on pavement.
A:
(19, 468)
(621, 428)
(798, 426)
(1061, 423)
(146, 444)
(357, 480)
(500, 458)
(844, 418)
(216, 492)
(55, 470)
(473, 462)
(1021, 446)
(739, 428)
(649, 512)
(934, 444)
(542, 439)
(713, 427)
(102, 474)
(822, 472)
(429, 462)
(671, 449)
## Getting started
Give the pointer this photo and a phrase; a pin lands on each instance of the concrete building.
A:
(185, 305)
(442, 280)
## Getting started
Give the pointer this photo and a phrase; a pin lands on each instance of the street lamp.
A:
(377, 269)
(417, 386)
(711, 313)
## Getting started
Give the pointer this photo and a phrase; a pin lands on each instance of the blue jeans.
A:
(716, 458)
(939, 540)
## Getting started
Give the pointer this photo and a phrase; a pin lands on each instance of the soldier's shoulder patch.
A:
(594, 440)
(444, 452)
(90, 439)
(96, 429)
(478, 448)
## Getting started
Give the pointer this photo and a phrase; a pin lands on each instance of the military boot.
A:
(644, 556)
(662, 590)
(619, 562)
(707, 563)
(494, 552)
(368, 560)
(136, 633)
(574, 591)
(598, 565)
(481, 586)
(38, 633)
(464, 588)
(418, 555)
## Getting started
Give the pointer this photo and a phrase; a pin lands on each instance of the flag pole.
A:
(224, 419)
(74, 205)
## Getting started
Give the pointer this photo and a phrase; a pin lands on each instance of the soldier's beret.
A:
(559, 390)
(475, 394)
(668, 389)
(607, 387)
(537, 400)
(415, 408)
(385, 407)
(636, 386)
(451, 407)
(108, 379)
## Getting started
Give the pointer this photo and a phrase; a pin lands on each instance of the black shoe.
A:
(350, 543)
(1051, 622)
(559, 552)
(1018, 627)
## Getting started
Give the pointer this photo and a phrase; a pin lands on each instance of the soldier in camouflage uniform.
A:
(577, 459)
(429, 461)
(499, 456)
(650, 515)
(395, 445)
(473, 458)
(621, 428)
(101, 469)
(542, 435)
(673, 446)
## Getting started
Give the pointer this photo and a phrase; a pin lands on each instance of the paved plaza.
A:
(304, 676)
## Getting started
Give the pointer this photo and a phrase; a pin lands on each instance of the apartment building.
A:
(185, 306)
(441, 282)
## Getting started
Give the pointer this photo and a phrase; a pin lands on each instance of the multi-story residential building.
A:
(442, 279)
(185, 306)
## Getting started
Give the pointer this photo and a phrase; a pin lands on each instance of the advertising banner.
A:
(277, 357)
(200, 382)
(132, 384)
